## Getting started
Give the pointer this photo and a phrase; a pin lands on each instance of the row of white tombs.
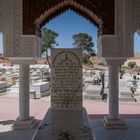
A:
(95, 84)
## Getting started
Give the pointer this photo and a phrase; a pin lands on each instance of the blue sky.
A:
(1, 43)
(136, 43)
(70, 23)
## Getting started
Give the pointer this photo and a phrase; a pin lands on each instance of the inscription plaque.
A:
(66, 79)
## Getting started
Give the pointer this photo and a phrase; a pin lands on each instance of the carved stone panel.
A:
(30, 46)
(12, 27)
(136, 14)
(1, 16)
(109, 46)
(124, 26)
(66, 79)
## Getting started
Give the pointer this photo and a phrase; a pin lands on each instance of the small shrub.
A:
(131, 64)
(88, 63)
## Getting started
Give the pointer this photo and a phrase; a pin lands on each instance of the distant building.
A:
(5, 62)
(98, 60)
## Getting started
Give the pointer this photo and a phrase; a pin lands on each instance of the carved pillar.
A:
(113, 120)
(24, 121)
(31, 50)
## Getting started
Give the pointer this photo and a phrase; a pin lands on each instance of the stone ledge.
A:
(23, 125)
(23, 60)
(114, 123)
(70, 124)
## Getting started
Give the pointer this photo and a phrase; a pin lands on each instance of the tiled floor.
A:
(131, 133)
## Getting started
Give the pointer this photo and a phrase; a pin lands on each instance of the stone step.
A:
(126, 93)
(127, 96)
(92, 93)
(127, 99)
(93, 97)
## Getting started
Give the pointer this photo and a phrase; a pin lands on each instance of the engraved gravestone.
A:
(66, 79)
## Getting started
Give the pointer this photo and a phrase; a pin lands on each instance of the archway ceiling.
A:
(42, 11)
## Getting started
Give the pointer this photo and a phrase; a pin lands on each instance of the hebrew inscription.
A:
(66, 79)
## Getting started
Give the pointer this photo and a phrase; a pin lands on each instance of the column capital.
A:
(30, 46)
(115, 46)
(115, 61)
(23, 60)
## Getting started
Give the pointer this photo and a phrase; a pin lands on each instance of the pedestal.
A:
(24, 124)
(114, 123)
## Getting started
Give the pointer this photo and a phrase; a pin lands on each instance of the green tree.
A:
(131, 64)
(84, 41)
(49, 41)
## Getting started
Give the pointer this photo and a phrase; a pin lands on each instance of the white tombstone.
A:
(66, 79)
(66, 115)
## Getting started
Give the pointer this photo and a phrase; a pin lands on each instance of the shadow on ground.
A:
(7, 133)
(131, 133)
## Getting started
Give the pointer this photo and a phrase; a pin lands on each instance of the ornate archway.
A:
(97, 12)
(65, 5)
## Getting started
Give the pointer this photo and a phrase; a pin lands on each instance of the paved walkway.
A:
(130, 111)
(38, 108)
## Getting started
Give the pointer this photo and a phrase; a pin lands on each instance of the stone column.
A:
(113, 92)
(23, 92)
(24, 121)
(30, 51)
(113, 120)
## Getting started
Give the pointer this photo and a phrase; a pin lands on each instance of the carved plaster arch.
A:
(65, 5)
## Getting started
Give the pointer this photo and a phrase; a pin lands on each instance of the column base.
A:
(114, 123)
(27, 124)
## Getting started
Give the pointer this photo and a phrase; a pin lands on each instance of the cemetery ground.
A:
(95, 106)
(129, 111)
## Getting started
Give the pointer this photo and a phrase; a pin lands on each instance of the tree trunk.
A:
(47, 58)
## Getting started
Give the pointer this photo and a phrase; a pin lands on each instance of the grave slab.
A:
(65, 125)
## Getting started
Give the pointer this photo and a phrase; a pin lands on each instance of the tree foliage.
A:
(84, 41)
(49, 40)
(131, 64)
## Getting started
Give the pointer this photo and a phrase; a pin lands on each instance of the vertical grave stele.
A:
(66, 79)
